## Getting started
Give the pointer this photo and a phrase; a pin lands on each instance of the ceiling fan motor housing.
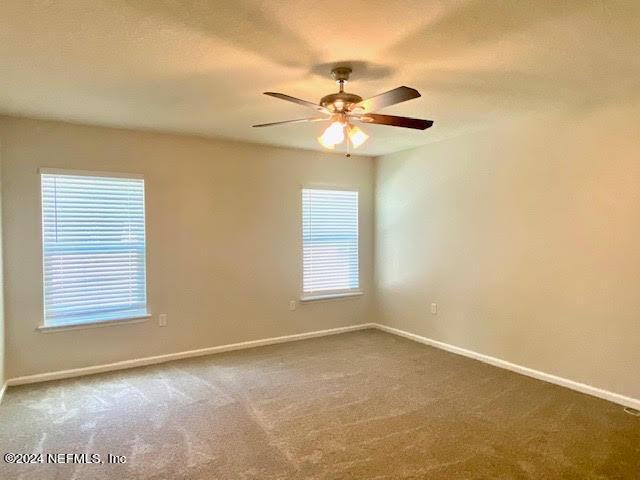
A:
(340, 102)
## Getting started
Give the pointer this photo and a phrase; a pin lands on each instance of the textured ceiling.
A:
(200, 67)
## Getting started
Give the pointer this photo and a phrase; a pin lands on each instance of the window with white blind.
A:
(93, 228)
(329, 243)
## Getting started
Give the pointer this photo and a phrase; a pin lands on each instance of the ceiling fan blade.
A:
(405, 122)
(300, 120)
(397, 95)
(299, 101)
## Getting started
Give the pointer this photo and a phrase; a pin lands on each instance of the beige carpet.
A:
(363, 405)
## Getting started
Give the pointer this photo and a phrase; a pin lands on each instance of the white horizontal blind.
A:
(94, 248)
(329, 241)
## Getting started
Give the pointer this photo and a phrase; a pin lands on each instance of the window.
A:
(93, 231)
(329, 243)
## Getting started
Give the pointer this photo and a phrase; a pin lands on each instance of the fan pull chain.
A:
(348, 142)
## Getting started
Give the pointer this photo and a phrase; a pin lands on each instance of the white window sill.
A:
(93, 324)
(330, 296)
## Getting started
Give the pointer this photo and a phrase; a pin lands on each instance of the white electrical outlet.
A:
(292, 305)
(434, 308)
(162, 319)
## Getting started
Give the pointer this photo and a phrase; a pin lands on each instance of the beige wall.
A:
(3, 376)
(223, 235)
(526, 234)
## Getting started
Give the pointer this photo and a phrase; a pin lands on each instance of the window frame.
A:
(126, 319)
(327, 294)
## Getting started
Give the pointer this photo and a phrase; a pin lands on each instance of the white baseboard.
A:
(139, 362)
(497, 362)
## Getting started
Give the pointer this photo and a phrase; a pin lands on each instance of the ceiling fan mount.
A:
(343, 108)
(341, 74)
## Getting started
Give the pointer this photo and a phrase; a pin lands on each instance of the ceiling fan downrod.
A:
(341, 76)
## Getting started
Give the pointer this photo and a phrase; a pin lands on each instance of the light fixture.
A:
(334, 134)
(322, 141)
(356, 135)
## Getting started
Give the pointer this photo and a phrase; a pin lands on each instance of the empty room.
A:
(339, 240)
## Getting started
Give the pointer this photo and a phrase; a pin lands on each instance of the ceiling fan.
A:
(342, 109)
